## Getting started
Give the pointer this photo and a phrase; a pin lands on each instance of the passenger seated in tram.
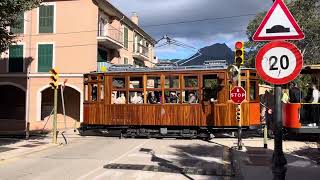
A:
(113, 97)
(192, 98)
(173, 98)
(152, 99)
(121, 99)
(94, 93)
(136, 98)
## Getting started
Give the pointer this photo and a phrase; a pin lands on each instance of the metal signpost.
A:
(278, 63)
(238, 95)
(54, 84)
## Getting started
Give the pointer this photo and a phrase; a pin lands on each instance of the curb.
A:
(24, 153)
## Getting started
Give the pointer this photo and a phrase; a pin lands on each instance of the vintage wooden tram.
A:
(166, 101)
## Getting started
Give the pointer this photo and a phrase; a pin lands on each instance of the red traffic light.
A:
(239, 45)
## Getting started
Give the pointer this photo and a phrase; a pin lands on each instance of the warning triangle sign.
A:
(278, 24)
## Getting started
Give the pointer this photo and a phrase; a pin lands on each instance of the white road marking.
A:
(83, 177)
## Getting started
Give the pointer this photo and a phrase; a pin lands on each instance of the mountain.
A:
(214, 52)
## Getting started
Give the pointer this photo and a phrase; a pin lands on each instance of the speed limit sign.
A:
(279, 62)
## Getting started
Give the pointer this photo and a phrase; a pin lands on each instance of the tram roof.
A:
(311, 69)
(132, 69)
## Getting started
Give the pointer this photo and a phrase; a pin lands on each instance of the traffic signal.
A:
(54, 78)
(239, 53)
(238, 113)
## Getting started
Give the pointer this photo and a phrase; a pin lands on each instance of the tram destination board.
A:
(279, 62)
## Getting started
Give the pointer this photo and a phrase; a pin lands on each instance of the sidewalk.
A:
(11, 148)
(255, 163)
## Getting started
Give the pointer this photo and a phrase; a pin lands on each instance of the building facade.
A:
(74, 37)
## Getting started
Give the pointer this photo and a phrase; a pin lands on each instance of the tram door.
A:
(210, 95)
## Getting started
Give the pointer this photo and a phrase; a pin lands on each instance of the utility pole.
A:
(54, 84)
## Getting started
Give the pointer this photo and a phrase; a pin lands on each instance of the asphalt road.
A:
(100, 158)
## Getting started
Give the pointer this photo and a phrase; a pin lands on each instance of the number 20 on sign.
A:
(279, 62)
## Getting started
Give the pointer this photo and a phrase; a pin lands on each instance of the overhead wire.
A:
(199, 20)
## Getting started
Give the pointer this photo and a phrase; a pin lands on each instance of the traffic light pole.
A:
(278, 159)
(54, 122)
(239, 122)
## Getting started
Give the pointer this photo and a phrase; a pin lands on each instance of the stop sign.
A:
(238, 95)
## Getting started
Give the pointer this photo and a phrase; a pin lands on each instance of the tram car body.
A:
(167, 101)
(304, 117)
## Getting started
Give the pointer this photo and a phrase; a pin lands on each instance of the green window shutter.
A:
(102, 55)
(16, 58)
(125, 60)
(45, 57)
(18, 27)
(46, 15)
(126, 38)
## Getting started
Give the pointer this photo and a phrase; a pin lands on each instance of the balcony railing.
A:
(142, 50)
(112, 33)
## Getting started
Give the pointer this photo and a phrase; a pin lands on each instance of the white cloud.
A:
(198, 34)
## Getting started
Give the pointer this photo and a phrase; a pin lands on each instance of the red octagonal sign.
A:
(238, 95)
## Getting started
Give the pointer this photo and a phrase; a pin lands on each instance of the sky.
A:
(226, 21)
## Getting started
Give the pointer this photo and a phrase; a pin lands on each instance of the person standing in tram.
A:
(285, 96)
(315, 94)
(294, 93)
(315, 108)
(269, 103)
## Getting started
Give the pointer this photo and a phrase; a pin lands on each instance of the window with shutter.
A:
(126, 43)
(45, 57)
(16, 58)
(18, 27)
(126, 61)
(46, 19)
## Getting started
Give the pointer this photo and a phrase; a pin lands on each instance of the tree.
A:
(307, 15)
(9, 16)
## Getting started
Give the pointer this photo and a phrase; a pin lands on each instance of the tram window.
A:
(86, 78)
(190, 96)
(243, 84)
(136, 82)
(190, 81)
(101, 78)
(118, 97)
(172, 82)
(172, 96)
(101, 92)
(154, 97)
(153, 82)
(136, 97)
(86, 95)
(211, 87)
(253, 91)
(94, 78)
(118, 82)
(94, 93)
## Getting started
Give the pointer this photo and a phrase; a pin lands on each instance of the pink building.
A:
(75, 37)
